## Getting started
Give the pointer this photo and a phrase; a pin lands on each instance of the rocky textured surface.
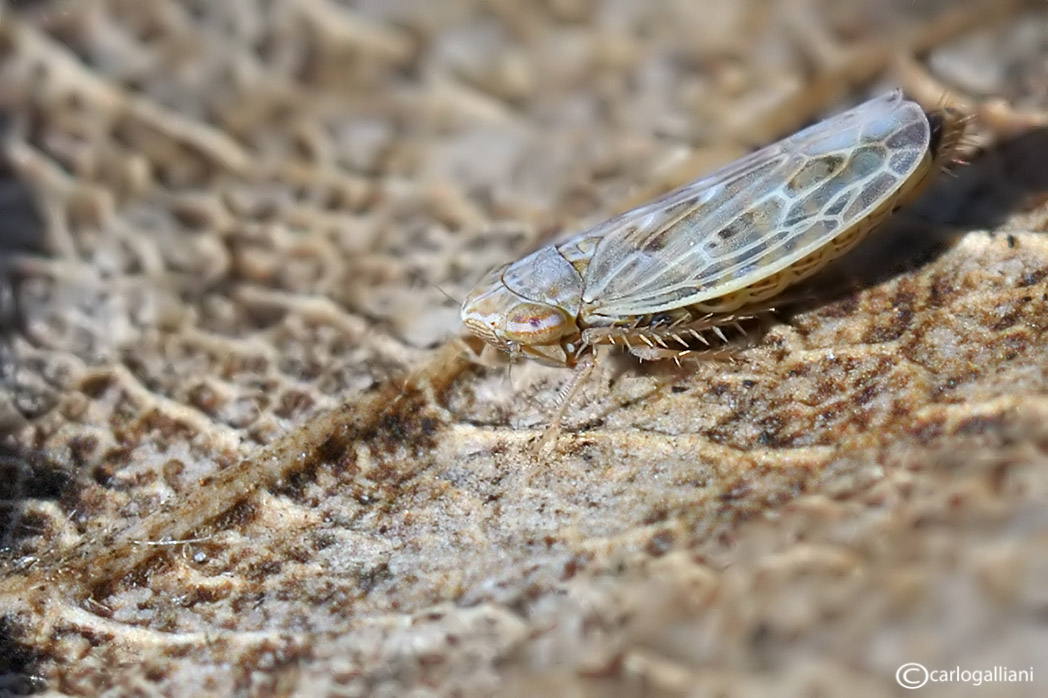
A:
(244, 452)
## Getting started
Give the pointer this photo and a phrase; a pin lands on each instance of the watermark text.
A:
(915, 675)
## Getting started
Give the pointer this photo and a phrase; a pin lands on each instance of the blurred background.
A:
(225, 224)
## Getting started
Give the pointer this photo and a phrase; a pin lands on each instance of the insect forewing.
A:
(756, 216)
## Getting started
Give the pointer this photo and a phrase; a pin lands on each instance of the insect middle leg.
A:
(565, 395)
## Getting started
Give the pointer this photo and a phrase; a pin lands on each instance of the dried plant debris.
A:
(247, 449)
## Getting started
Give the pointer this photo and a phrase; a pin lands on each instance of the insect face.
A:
(515, 324)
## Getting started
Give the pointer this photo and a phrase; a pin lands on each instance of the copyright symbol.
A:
(911, 675)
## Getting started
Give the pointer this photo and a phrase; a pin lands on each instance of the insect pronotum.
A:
(655, 278)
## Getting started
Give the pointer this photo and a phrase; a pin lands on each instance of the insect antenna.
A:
(447, 295)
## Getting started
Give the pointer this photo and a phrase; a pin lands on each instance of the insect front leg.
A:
(479, 353)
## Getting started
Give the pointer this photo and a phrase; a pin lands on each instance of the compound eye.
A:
(536, 323)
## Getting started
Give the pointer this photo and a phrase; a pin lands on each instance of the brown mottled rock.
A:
(245, 452)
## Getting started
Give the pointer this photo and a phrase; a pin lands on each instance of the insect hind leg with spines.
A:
(678, 335)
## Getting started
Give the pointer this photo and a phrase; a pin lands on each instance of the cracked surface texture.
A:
(245, 451)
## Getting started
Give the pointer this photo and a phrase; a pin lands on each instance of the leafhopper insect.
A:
(658, 277)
